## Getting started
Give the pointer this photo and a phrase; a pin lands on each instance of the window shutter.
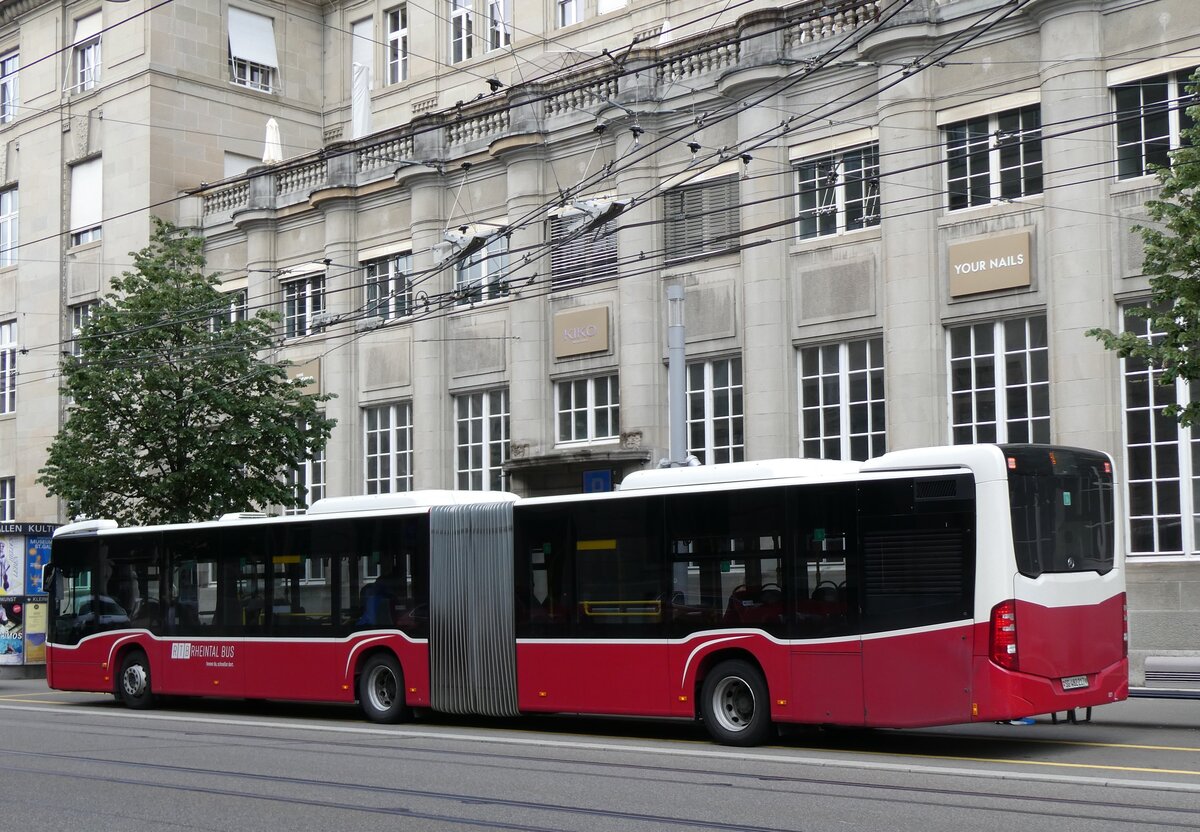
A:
(252, 38)
(87, 192)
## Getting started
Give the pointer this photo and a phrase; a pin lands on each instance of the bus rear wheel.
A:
(133, 685)
(381, 690)
(734, 704)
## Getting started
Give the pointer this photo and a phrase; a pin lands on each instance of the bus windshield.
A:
(1062, 509)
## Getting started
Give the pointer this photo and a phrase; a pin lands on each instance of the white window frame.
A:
(842, 408)
(830, 187)
(586, 258)
(86, 62)
(1150, 149)
(997, 138)
(716, 410)
(1159, 471)
(396, 21)
(253, 59)
(568, 12)
(481, 440)
(389, 286)
(87, 202)
(8, 499)
(970, 390)
(303, 299)
(8, 367)
(587, 410)
(480, 277)
(9, 226)
(462, 31)
(253, 76)
(310, 474)
(702, 219)
(81, 313)
(387, 448)
(10, 79)
(499, 20)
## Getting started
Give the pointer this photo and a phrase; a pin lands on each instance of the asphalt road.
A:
(81, 762)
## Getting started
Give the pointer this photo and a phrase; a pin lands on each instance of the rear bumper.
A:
(1007, 694)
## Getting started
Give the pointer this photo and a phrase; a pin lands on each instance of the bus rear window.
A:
(1062, 509)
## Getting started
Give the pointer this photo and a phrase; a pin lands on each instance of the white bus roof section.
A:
(82, 527)
(732, 472)
(987, 462)
(407, 499)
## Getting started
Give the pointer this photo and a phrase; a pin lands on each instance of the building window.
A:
(481, 422)
(388, 448)
(253, 60)
(397, 43)
(8, 367)
(702, 219)
(589, 410)
(8, 226)
(461, 31)
(87, 200)
(841, 400)
(581, 258)
(9, 86)
(481, 276)
(838, 192)
(303, 300)
(999, 382)
(233, 311)
(85, 54)
(499, 23)
(1151, 115)
(81, 313)
(389, 286)
(1162, 459)
(569, 12)
(714, 411)
(8, 499)
(307, 481)
(994, 157)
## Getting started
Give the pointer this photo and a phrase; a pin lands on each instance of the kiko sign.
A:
(581, 331)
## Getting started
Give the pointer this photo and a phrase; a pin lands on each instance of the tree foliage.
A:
(173, 415)
(1172, 262)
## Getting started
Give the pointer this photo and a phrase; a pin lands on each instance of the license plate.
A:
(1074, 682)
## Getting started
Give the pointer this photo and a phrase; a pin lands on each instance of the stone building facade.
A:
(893, 220)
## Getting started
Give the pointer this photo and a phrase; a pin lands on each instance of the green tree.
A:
(1172, 262)
(172, 413)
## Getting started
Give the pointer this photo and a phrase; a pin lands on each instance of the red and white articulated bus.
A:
(925, 587)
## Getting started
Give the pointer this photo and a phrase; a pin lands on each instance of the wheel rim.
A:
(134, 680)
(382, 689)
(733, 704)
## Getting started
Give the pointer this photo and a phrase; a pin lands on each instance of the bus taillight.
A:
(1004, 634)
(1125, 626)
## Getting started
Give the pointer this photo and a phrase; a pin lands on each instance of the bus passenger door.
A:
(826, 652)
(918, 549)
(200, 656)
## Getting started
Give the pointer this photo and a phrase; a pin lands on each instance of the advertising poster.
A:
(35, 630)
(12, 632)
(37, 555)
(12, 564)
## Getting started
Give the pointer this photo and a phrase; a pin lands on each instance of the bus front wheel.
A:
(734, 704)
(133, 685)
(381, 690)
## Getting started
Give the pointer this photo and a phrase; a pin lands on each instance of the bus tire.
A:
(381, 690)
(734, 704)
(133, 685)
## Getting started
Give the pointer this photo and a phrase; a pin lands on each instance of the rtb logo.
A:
(181, 650)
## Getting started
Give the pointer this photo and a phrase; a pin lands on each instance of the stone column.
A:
(338, 362)
(914, 345)
(1078, 231)
(530, 399)
(768, 368)
(433, 413)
